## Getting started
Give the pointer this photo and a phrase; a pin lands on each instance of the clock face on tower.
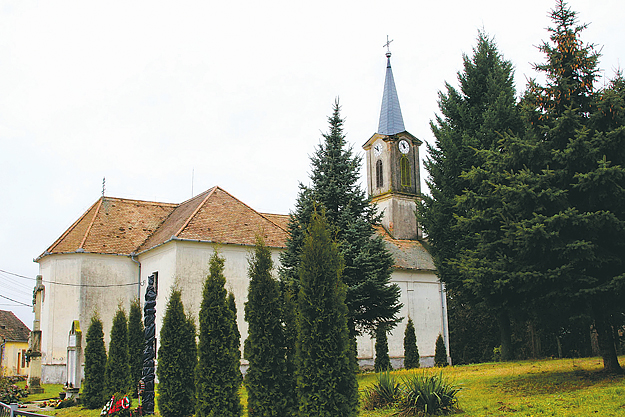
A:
(403, 146)
(377, 149)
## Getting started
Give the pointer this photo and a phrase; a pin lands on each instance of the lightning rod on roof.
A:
(103, 185)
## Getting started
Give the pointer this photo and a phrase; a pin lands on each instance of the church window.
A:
(379, 174)
(404, 166)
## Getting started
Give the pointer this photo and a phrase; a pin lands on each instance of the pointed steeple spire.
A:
(391, 120)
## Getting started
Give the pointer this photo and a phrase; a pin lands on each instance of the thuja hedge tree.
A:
(177, 359)
(117, 374)
(370, 298)
(268, 389)
(93, 387)
(217, 374)
(440, 353)
(473, 119)
(326, 378)
(382, 361)
(411, 351)
(136, 343)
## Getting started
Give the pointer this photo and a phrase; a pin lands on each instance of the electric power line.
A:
(71, 285)
(15, 301)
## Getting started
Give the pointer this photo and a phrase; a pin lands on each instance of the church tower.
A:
(393, 166)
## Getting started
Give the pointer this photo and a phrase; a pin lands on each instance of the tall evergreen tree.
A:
(236, 340)
(136, 343)
(463, 234)
(218, 374)
(371, 299)
(266, 379)
(382, 361)
(326, 378)
(573, 241)
(117, 375)
(93, 387)
(177, 359)
(411, 350)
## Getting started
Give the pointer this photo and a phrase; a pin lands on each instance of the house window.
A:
(404, 166)
(379, 175)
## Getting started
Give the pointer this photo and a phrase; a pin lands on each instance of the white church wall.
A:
(185, 264)
(422, 301)
(75, 295)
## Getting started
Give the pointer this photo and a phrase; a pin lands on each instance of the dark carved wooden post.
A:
(149, 352)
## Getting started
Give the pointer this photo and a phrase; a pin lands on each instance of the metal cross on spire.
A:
(388, 47)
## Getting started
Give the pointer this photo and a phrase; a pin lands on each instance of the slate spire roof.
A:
(391, 120)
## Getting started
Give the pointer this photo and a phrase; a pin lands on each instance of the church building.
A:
(102, 261)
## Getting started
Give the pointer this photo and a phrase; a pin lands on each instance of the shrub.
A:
(117, 371)
(9, 392)
(93, 386)
(385, 392)
(411, 351)
(497, 354)
(427, 394)
(382, 360)
(440, 353)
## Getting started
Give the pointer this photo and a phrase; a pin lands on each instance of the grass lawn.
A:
(551, 387)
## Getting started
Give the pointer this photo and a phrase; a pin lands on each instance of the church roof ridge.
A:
(391, 120)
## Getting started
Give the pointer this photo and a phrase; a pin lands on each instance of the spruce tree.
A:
(93, 387)
(572, 243)
(117, 367)
(136, 343)
(440, 353)
(266, 379)
(326, 379)
(461, 217)
(382, 361)
(177, 359)
(218, 374)
(335, 177)
(411, 351)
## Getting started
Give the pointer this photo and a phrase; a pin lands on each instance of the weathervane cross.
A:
(387, 45)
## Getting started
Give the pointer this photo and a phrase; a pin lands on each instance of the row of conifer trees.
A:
(120, 370)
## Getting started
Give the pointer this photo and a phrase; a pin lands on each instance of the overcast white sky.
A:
(145, 93)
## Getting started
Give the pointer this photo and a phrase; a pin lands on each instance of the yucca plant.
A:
(385, 391)
(425, 393)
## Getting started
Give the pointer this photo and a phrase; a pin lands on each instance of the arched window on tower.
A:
(379, 174)
(404, 166)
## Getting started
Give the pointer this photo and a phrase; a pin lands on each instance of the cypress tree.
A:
(371, 299)
(265, 380)
(236, 340)
(440, 353)
(382, 361)
(93, 387)
(136, 343)
(326, 379)
(177, 358)
(217, 374)
(117, 368)
(411, 351)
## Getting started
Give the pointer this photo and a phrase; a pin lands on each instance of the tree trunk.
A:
(505, 334)
(605, 337)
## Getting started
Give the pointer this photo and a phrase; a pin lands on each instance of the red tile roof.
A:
(12, 329)
(122, 226)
